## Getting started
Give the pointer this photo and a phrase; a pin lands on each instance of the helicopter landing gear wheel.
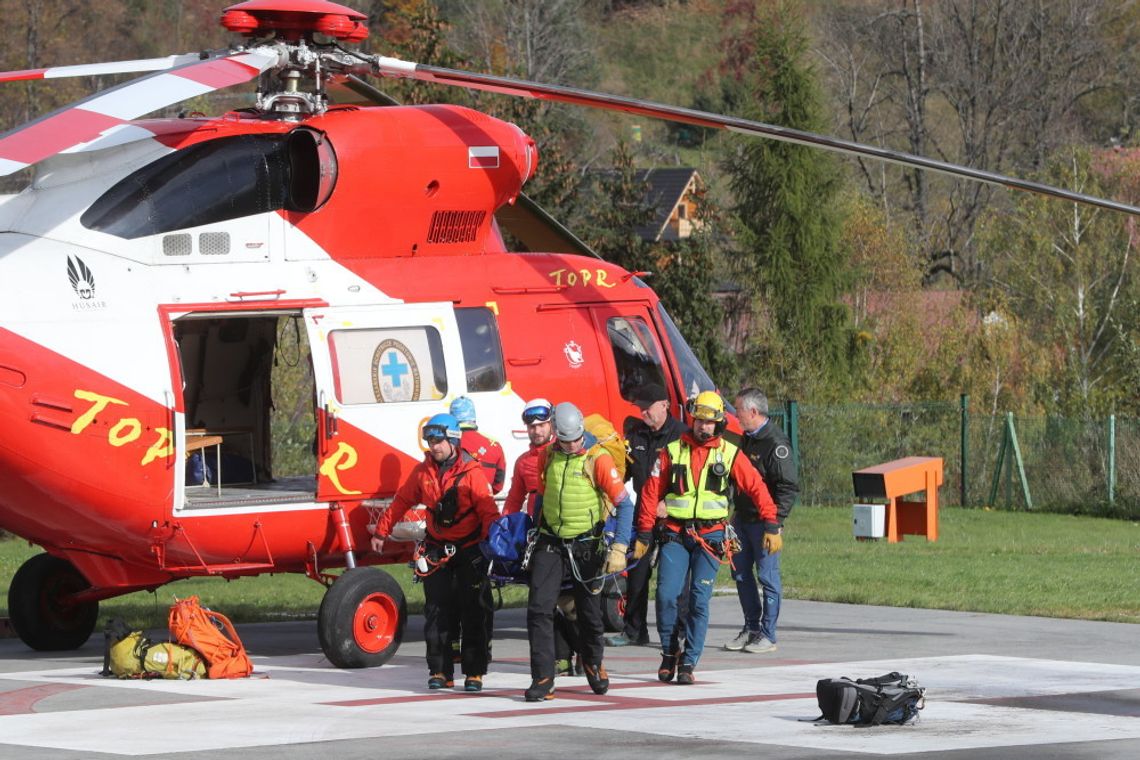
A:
(362, 618)
(40, 613)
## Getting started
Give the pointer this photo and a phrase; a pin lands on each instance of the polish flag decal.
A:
(483, 157)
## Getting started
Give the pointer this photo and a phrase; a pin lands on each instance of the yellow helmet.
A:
(707, 405)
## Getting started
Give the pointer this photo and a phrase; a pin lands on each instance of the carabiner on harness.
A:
(724, 556)
(425, 565)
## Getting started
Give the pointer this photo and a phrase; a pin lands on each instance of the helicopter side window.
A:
(210, 182)
(635, 355)
(378, 366)
(482, 352)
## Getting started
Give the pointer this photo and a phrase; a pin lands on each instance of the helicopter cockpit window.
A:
(210, 182)
(388, 365)
(635, 354)
(482, 352)
(692, 373)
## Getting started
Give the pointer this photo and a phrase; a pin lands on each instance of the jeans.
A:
(680, 556)
(758, 615)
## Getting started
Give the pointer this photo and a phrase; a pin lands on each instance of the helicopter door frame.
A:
(168, 315)
(620, 386)
(381, 371)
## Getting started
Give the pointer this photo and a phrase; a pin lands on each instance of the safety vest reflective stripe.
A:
(699, 503)
(571, 504)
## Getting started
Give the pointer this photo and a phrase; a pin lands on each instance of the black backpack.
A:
(893, 698)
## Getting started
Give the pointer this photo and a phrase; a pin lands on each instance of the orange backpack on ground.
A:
(212, 635)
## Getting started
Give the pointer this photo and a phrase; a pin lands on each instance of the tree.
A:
(789, 265)
(992, 84)
(1070, 271)
(683, 273)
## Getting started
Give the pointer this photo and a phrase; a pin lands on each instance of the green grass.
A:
(1004, 562)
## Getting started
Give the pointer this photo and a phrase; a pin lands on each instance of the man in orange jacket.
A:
(693, 475)
(524, 481)
(460, 510)
(484, 450)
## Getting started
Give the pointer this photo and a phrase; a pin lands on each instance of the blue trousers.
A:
(679, 559)
(759, 615)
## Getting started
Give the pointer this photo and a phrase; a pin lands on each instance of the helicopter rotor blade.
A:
(394, 67)
(101, 69)
(83, 121)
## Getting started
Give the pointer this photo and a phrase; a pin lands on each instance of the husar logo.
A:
(83, 283)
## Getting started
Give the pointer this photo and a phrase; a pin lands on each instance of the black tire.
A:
(38, 609)
(613, 605)
(362, 618)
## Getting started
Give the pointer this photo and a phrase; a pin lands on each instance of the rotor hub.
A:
(294, 19)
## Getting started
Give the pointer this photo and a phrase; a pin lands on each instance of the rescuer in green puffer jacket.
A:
(579, 481)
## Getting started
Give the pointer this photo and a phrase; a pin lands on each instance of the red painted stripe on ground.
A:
(515, 694)
(640, 703)
(22, 701)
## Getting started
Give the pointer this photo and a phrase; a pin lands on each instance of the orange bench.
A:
(892, 481)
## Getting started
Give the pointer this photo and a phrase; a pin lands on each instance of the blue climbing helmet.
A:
(442, 426)
(463, 409)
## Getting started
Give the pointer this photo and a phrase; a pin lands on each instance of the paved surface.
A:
(998, 686)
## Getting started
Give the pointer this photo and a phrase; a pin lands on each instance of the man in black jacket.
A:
(770, 452)
(646, 437)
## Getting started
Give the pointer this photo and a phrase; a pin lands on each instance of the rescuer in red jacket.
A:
(482, 449)
(524, 480)
(460, 510)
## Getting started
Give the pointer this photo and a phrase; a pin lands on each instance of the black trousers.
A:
(637, 600)
(457, 590)
(549, 568)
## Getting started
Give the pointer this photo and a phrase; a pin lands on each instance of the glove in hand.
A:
(773, 542)
(615, 560)
(640, 548)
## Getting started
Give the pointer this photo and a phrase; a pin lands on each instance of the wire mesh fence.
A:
(1082, 466)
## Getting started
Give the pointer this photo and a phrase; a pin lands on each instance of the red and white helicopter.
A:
(148, 269)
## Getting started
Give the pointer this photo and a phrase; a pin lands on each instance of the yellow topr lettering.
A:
(98, 404)
(587, 275)
(557, 275)
(344, 458)
(163, 447)
(601, 280)
(124, 431)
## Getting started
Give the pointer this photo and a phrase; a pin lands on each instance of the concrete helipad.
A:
(998, 686)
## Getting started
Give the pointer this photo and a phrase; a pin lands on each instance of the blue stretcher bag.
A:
(506, 542)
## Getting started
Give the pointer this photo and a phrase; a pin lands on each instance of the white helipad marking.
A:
(293, 705)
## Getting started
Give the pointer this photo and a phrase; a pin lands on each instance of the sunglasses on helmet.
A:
(536, 414)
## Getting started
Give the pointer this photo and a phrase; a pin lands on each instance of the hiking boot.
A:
(473, 683)
(685, 675)
(563, 668)
(742, 638)
(597, 677)
(618, 641)
(440, 681)
(668, 668)
(758, 644)
(540, 689)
